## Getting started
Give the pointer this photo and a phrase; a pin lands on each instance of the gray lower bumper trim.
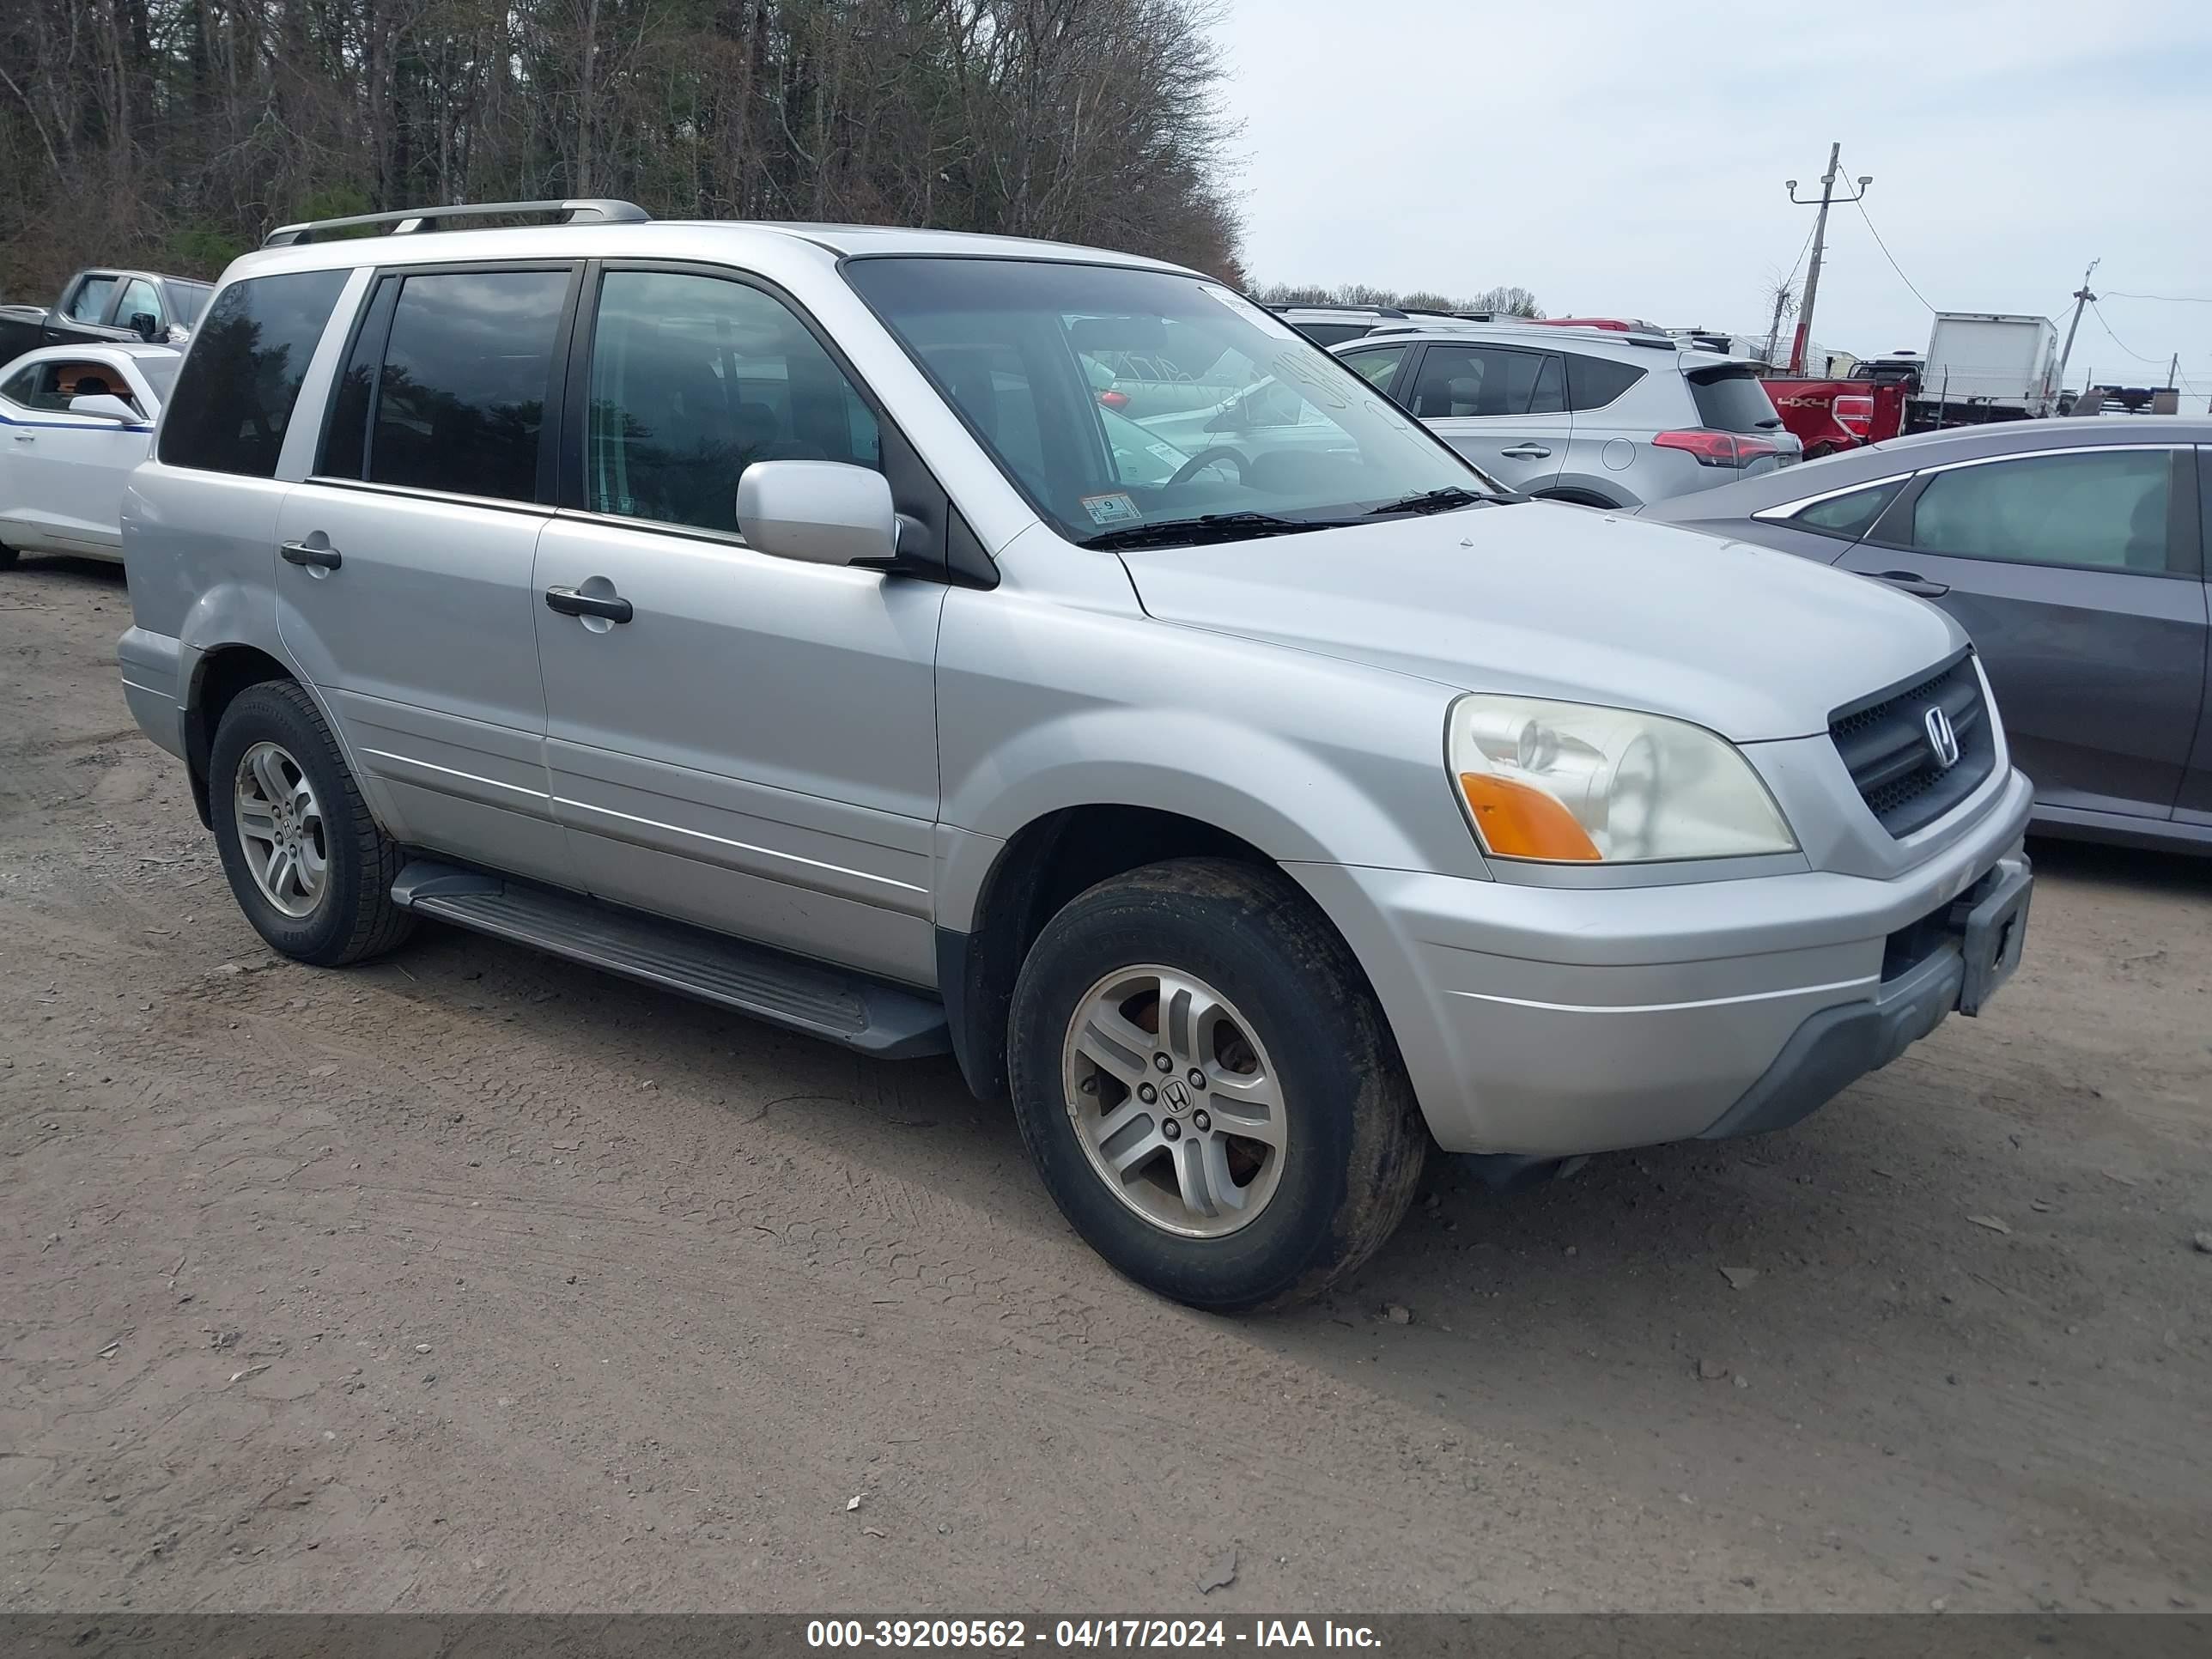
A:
(1835, 1047)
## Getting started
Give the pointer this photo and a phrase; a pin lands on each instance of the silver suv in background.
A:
(778, 616)
(1585, 415)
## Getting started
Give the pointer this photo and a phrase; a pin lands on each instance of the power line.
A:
(2169, 299)
(2180, 379)
(1891, 258)
(2115, 339)
(1800, 259)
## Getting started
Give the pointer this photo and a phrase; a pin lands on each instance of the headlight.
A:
(1572, 782)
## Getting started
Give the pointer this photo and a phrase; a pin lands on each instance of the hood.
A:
(1549, 600)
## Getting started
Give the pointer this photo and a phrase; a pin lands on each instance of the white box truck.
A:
(1987, 366)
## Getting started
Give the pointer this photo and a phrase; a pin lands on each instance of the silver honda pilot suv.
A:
(788, 616)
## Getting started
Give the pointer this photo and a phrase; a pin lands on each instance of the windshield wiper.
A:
(1206, 527)
(1435, 500)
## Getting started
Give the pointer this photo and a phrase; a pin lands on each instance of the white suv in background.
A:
(1594, 416)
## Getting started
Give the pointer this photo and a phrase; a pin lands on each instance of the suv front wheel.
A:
(305, 861)
(1208, 1088)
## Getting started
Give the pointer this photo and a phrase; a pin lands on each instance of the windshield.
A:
(1120, 400)
(187, 300)
(161, 373)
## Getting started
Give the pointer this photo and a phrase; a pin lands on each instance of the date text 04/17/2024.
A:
(1016, 1635)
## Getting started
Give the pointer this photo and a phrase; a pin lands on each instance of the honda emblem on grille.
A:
(1942, 741)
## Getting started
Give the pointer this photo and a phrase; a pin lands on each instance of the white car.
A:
(74, 421)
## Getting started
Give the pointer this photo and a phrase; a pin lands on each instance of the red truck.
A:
(1831, 415)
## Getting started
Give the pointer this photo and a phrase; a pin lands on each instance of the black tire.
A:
(1355, 1143)
(7, 555)
(353, 918)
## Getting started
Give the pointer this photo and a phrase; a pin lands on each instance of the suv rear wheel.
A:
(1207, 1086)
(307, 862)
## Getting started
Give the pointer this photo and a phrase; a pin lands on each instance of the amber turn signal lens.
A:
(1518, 822)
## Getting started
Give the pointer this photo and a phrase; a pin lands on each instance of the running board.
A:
(874, 1018)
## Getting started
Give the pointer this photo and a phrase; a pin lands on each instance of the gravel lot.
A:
(471, 1280)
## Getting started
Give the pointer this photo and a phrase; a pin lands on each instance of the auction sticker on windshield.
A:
(1115, 508)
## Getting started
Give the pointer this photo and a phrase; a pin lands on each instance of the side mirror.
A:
(104, 406)
(818, 512)
(145, 325)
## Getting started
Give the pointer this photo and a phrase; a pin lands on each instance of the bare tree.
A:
(1780, 295)
(175, 132)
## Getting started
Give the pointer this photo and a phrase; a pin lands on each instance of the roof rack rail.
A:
(1334, 304)
(596, 210)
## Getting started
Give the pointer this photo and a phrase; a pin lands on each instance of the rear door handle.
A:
(569, 602)
(1913, 582)
(23, 437)
(322, 558)
(1525, 453)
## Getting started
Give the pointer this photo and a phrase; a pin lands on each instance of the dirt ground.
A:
(470, 1279)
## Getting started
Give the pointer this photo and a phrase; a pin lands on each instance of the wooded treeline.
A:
(176, 133)
(1503, 301)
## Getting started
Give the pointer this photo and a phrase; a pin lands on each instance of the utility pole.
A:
(2173, 373)
(2081, 297)
(1819, 242)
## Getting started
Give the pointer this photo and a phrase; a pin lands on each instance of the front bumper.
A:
(1553, 1021)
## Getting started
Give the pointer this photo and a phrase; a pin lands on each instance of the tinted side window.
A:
(1732, 400)
(1594, 382)
(1377, 363)
(50, 385)
(1850, 515)
(460, 394)
(90, 299)
(696, 378)
(2099, 508)
(41, 386)
(236, 391)
(2204, 504)
(1486, 381)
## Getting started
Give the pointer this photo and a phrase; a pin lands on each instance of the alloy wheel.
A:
(1176, 1104)
(281, 830)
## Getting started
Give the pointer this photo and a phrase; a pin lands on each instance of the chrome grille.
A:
(1885, 745)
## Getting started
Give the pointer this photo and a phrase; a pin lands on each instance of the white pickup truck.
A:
(74, 421)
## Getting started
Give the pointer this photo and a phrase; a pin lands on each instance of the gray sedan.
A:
(2074, 553)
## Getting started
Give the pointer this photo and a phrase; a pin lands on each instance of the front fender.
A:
(1307, 758)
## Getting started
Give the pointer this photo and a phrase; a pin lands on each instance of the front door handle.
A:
(322, 558)
(1913, 582)
(569, 602)
(23, 437)
(1525, 453)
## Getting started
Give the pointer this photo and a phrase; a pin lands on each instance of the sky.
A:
(1623, 159)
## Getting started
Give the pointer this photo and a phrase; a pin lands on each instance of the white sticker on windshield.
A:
(1244, 308)
(1116, 508)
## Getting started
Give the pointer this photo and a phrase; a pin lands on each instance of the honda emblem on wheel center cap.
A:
(1176, 1095)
